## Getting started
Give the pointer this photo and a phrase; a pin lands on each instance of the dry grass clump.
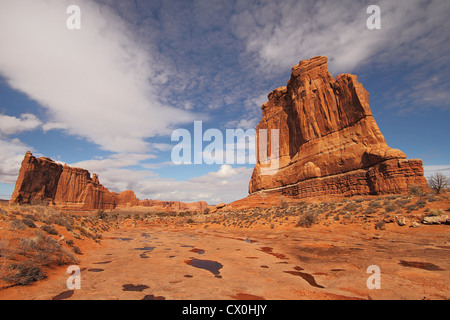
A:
(36, 237)
(29, 256)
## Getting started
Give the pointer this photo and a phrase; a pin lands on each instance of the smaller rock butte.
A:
(329, 142)
(45, 181)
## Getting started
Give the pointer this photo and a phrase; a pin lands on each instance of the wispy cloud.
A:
(12, 125)
(414, 33)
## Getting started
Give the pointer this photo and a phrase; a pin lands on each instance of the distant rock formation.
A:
(174, 205)
(329, 142)
(45, 181)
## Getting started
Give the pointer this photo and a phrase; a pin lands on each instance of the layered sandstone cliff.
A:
(329, 142)
(42, 180)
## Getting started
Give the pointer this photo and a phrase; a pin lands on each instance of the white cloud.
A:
(280, 33)
(100, 82)
(115, 161)
(11, 156)
(12, 150)
(12, 125)
(432, 170)
(224, 185)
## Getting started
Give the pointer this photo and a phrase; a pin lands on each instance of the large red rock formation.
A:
(329, 142)
(45, 181)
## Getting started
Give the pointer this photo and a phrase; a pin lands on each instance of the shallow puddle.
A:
(64, 295)
(132, 287)
(103, 262)
(306, 276)
(118, 238)
(152, 297)
(199, 251)
(211, 266)
(269, 250)
(421, 265)
(246, 296)
(149, 249)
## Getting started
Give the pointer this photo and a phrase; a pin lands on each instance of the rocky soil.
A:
(291, 250)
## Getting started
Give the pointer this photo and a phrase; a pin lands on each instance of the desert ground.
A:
(290, 250)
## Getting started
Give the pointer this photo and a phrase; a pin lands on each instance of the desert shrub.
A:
(76, 250)
(284, 204)
(421, 203)
(62, 221)
(39, 251)
(436, 212)
(36, 202)
(307, 220)
(30, 216)
(190, 220)
(351, 206)
(431, 197)
(402, 202)
(23, 273)
(380, 225)
(29, 223)
(101, 214)
(64, 257)
(391, 207)
(375, 204)
(347, 215)
(84, 232)
(179, 214)
(370, 210)
(49, 229)
(415, 190)
(70, 242)
(17, 224)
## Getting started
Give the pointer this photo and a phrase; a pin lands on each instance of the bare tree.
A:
(438, 182)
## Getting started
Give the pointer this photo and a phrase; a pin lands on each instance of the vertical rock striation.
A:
(43, 181)
(329, 141)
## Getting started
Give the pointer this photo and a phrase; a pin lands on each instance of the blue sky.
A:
(108, 97)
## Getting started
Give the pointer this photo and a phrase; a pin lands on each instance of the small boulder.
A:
(435, 220)
(401, 221)
(221, 205)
